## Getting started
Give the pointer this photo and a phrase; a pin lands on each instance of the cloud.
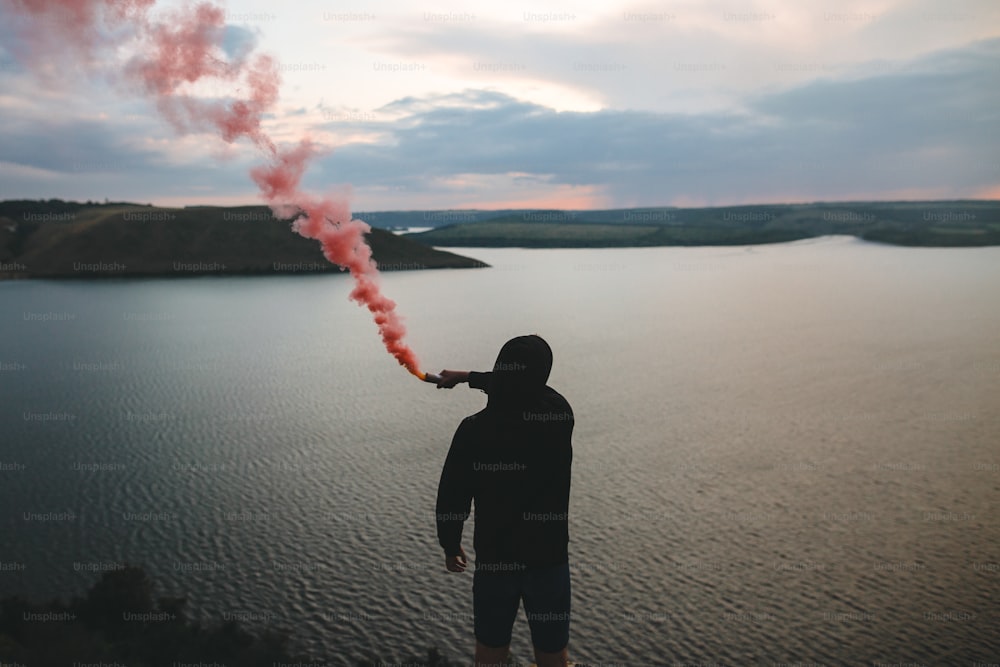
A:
(686, 56)
(238, 42)
(116, 157)
(930, 126)
(820, 129)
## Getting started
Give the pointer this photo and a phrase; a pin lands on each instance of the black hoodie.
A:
(513, 457)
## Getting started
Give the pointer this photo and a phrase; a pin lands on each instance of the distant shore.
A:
(59, 239)
(966, 223)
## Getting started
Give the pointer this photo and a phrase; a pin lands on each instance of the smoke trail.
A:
(342, 238)
(174, 55)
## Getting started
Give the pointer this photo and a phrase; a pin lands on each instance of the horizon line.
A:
(487, 210)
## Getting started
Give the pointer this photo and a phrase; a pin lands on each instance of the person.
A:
(513, 458)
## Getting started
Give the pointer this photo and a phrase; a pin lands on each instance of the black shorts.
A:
(546, 595)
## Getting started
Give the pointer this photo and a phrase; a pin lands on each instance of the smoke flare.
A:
(342, 238)
(175, 55)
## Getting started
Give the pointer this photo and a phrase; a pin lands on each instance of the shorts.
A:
(546, 595)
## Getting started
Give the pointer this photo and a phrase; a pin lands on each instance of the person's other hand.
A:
(450, 378)
(456, 563)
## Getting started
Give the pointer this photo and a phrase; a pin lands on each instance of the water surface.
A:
(783, 453)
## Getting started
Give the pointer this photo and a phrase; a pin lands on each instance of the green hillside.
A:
(66, 239)
(942, 223)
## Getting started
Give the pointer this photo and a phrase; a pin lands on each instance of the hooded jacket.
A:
(513, 458)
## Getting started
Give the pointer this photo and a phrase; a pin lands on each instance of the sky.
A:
(568, 105)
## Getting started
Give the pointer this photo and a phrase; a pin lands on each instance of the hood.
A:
(520, 372)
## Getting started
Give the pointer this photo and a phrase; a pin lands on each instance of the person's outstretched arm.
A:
(476, 380)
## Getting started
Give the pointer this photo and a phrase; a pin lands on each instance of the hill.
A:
(74, 240)
(939, 223)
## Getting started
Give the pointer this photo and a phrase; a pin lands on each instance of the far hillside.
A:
(938, 223)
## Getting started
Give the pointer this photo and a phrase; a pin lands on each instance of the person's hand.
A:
(456, 563)
(450, 378)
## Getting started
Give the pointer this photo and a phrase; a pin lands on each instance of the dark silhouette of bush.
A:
(433, 659)
(118, 620)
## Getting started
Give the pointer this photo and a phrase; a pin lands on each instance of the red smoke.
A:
(342, 238)
(185, 48)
